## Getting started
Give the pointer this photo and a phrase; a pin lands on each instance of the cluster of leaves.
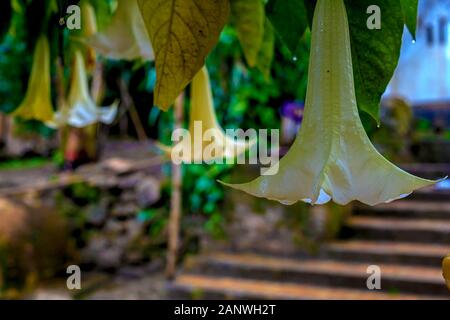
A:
(245, 97)
(13, 52)
(375, 52)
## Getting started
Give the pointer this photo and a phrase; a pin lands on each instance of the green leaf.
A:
(5, 17)
(266, 52)
(248, 16)
(182, 33)
(375, 53)
(103, 12)
(289, 18)
(409, 9)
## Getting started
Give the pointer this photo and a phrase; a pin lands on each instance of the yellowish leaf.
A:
(182, 33)
(248, 17)
(332, 157)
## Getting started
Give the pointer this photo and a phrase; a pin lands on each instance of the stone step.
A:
(200, 286)
(331, 273)
(407, 209)
(387, 252)
(403, 230)
(428, 170)
(430, 194)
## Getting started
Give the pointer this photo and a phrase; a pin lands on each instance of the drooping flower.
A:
(37, 104)
(126, 37)
(206, 140)
(332, 156)
(81, 110)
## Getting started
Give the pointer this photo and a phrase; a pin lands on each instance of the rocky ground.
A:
(144, 283)
(46, 223)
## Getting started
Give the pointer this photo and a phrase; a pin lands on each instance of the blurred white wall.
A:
(423, 73)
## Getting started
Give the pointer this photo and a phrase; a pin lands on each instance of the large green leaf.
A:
(375, 52)
(248, 16)
(182, 33)
(289, 19)
(409, 9)
(5, 16)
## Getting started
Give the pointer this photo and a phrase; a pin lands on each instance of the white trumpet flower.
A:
(332, 156)
(81, 110)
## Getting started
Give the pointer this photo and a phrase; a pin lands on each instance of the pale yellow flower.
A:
(37, 104)
(203, 120)
(126, 37)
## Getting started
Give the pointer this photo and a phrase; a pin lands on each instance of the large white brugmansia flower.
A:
(206, 141)
(126, 37)
(332, 157)
(37, 104)
(81, 110)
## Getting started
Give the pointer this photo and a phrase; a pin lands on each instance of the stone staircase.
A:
(407, 239)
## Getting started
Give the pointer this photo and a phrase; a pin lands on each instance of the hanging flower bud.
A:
(206, 140)
(37, 104)
(81, 110)
(89, 25)
(89, 28)
(446, 270)
(126, 37)
(332, 156)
